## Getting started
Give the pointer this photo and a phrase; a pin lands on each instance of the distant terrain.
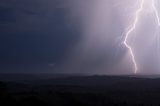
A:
(79, 90)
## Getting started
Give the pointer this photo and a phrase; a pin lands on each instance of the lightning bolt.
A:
(133, 27)
(156, 12)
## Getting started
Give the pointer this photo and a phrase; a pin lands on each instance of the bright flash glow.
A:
(156, 12)
(133, 27)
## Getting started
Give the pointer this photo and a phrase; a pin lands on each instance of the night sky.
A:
(54, 36)
(34, 35)
(75, 36)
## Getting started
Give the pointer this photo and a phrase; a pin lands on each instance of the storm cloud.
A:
(75, 36)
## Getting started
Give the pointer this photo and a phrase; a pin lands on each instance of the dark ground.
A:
(78, 90)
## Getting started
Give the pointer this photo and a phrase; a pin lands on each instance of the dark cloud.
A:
(33, 36)
(7, 15)
(76, 36)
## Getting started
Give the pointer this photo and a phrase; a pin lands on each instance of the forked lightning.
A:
(133, 27)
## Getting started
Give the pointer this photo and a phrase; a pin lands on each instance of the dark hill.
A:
(79, 90)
